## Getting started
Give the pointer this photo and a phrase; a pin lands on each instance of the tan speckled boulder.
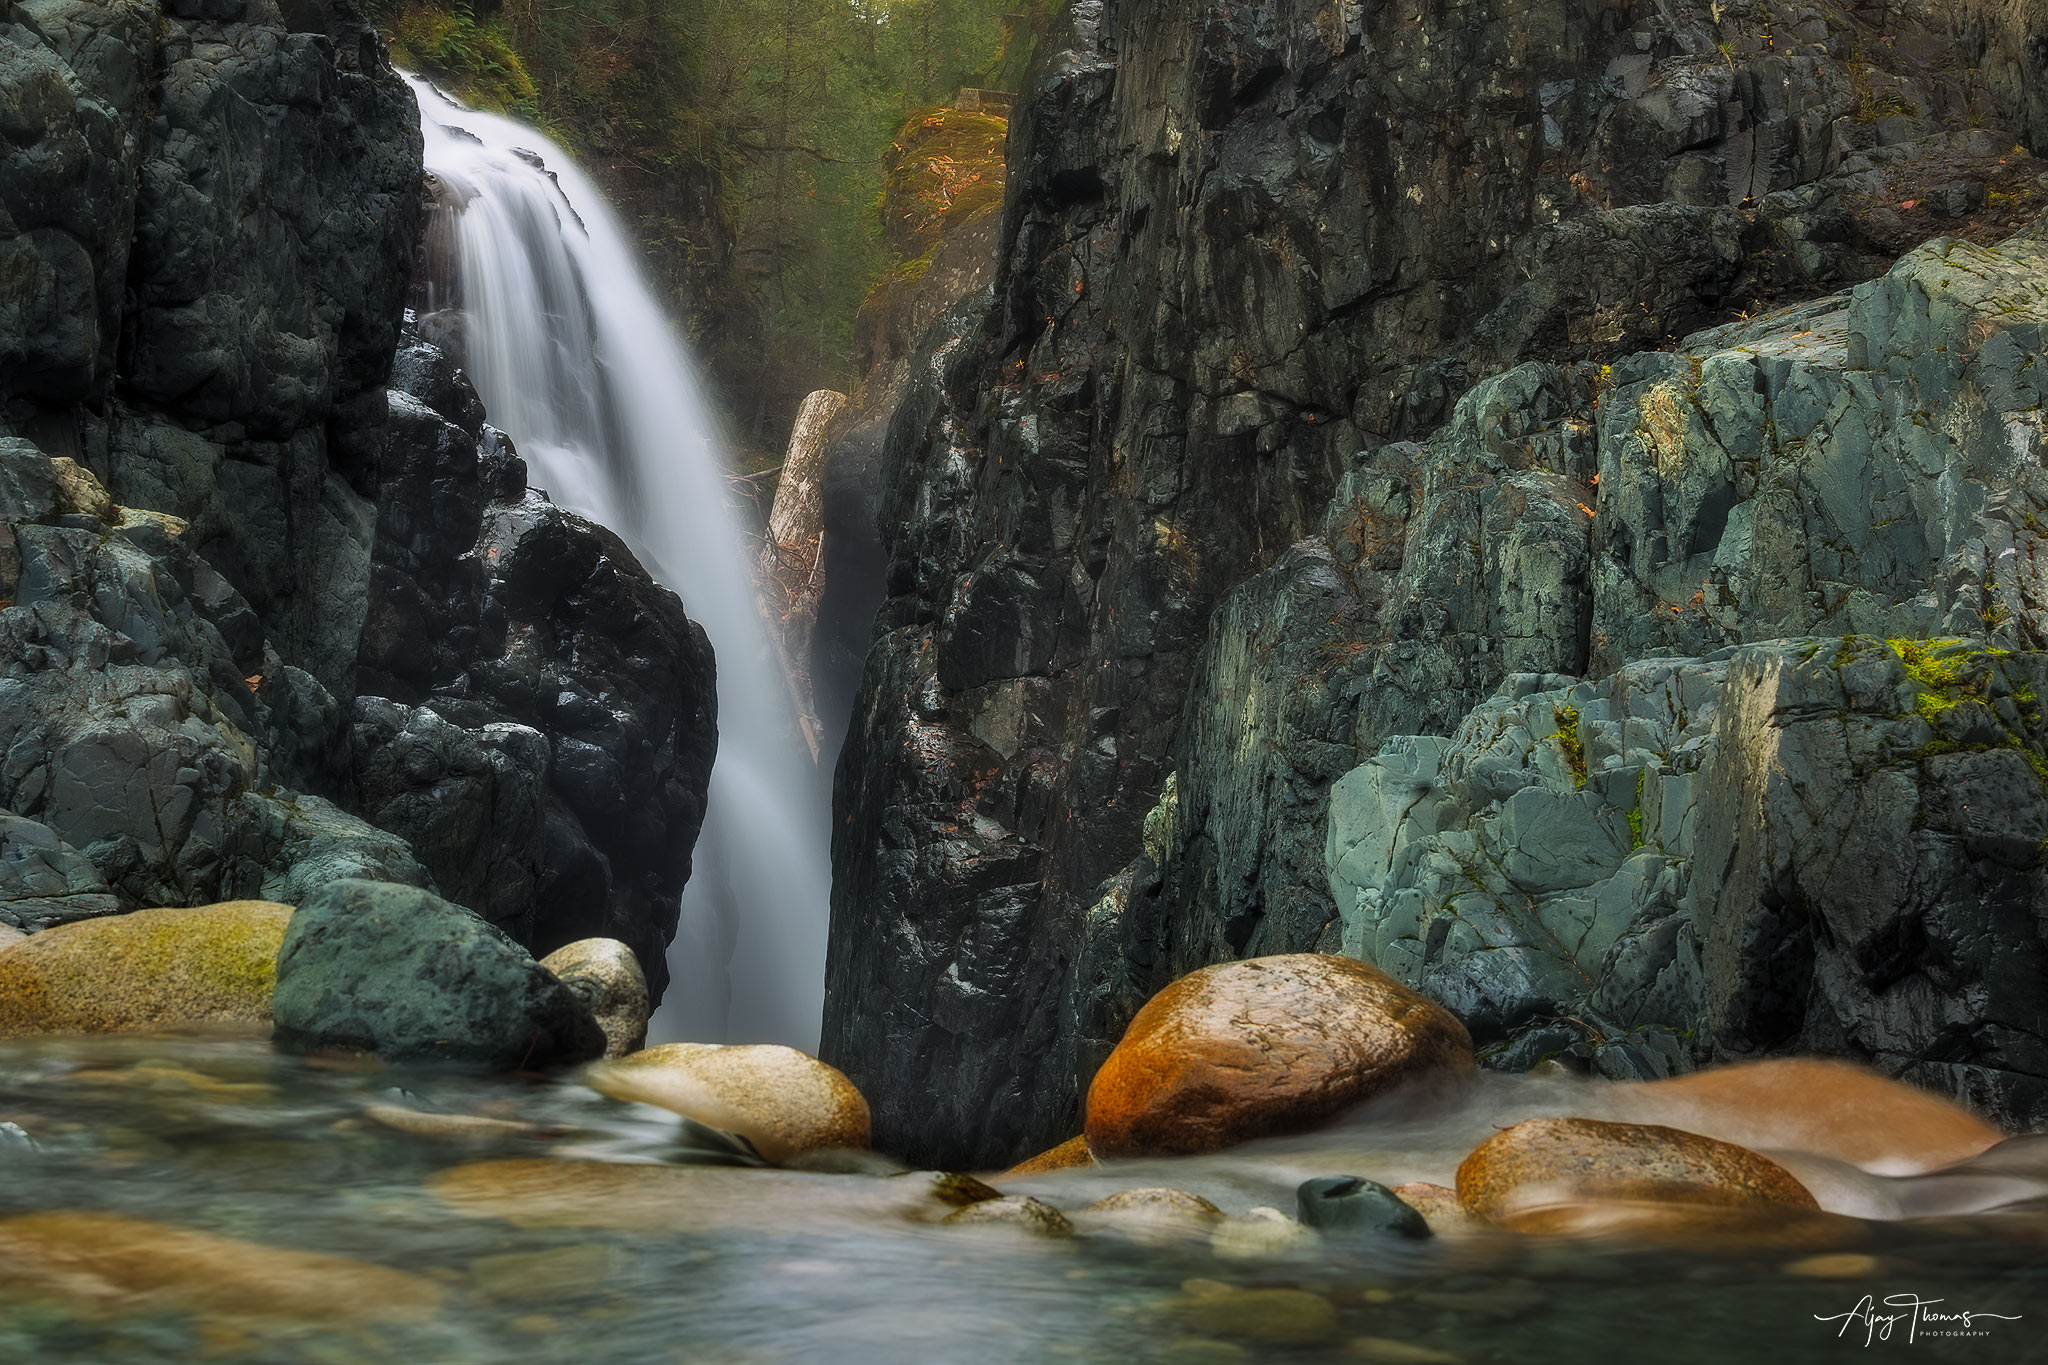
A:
(210, 966)
(783, 1101)
(1568, 1162)
(606, 976)
(1272, 1045)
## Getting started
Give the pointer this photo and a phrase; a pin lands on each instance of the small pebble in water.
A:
(14, 1137)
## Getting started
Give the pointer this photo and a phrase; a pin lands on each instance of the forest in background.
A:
(744, 143)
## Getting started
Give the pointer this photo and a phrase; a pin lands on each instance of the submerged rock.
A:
(1262, 1234)
(606, 976)
(1519, 1171)
(1438, 1205)
(400, 972)
(1153, 1215)
(1067, 1156)
(1275, 1315)
(107, 1263)
(210, 966)
(1017, 1211)
(1273, 1045)
(783, 1101)
(665, 1200)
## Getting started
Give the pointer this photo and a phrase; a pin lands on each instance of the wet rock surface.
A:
(215, 522)
(397, 971)
(1566, 1161)
(538, 716)
(1273, 1045)
(1700, 859)
(1241, 272)
(784, 1102)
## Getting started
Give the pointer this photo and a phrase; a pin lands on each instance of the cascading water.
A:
(575, 360)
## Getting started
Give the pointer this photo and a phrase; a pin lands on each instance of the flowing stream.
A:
(167, 1199)
(576, 361)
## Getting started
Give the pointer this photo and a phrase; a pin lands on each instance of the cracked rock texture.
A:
(263, 623)
(1276, 436)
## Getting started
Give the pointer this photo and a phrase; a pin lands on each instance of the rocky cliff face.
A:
(538, 717)
(234, 569)
(1252, 255)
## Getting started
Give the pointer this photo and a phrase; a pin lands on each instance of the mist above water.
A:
(576, 361)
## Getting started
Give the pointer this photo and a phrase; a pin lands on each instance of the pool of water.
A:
(173, 1200)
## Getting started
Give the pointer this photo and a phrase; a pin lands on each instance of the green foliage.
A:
(1567, 738)
(744, 140)
(448, 43)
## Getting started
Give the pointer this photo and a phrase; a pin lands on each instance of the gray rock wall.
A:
(1829, 845)
(1241, 246)
(248, 596)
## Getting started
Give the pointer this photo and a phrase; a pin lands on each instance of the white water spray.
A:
(575, 360)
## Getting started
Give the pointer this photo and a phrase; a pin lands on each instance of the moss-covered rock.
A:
(209, 966)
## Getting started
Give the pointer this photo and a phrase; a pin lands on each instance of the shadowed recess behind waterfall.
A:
(576, 361)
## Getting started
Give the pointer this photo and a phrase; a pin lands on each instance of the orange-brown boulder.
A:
(1546, 1163)
(1273, 1045)
(1068, 1155)
(1814, 1104)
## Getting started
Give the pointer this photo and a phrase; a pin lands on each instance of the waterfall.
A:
(576, 361)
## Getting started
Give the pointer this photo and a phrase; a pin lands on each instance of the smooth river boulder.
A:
(606, 976)
(1273, 1045)
(783, 1101)
(207, 967)
(1543, 1163)
(400, 972)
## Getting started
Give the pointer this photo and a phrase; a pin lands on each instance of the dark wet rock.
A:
(1348, 1204)
(218, 522)
(210, 213)
(132, 735)
(398, 971)
(1239, 251)
(44, 881)
(2008, 38)
(538, 716)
